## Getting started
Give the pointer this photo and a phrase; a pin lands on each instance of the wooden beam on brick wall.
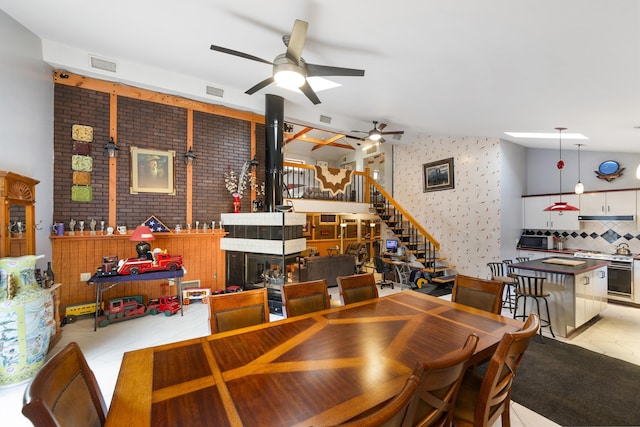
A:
(119, 89)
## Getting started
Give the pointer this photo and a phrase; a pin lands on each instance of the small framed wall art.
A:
(152, 171)
(438, 175)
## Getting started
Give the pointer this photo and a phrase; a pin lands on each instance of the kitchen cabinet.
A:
(531, 254)
(608, 203)
(536, 218)
(590, 295)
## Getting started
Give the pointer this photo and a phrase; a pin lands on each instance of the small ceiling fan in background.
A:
(376, 133)
(289, 68)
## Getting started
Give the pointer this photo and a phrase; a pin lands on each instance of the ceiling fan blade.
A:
(306, 89)
(296, 40)
(325, 70)
(382, 126)
(396, 132)
(240, 54)
(381, 140)
(266, 82)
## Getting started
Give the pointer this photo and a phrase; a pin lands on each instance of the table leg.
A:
(180, 296)
(98, 295)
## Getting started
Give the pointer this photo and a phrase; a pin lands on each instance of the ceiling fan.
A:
(376, 133)
(289, 68)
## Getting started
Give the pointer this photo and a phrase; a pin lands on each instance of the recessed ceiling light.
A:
(545, 135)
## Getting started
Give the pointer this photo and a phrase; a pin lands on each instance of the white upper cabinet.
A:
(536, 218)
(608, 203)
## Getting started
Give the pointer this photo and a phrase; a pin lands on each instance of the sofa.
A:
(326, 267)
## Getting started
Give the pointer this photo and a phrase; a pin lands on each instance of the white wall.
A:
(467, 219)
(513, 172)
(26, 119)
(543, 176)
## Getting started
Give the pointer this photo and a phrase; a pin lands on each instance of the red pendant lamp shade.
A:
(143, 235)
(561, 206)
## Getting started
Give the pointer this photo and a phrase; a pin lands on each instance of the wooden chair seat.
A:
(357, 287)
(305, 297)
(482, 400)
(238, 310)
(478, 293)
(65, 392)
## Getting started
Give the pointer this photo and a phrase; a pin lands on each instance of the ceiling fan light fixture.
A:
(375, 135)
(287, 73)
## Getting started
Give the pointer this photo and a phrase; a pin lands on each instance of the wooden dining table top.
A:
(319, 369)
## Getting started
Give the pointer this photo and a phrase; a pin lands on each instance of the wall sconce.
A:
(189, 156)
(112, 148)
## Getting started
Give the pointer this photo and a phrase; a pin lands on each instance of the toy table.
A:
(111, 281)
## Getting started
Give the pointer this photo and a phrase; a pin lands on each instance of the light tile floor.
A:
(616, 334)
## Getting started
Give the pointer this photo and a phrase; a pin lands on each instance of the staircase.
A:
(411, 234)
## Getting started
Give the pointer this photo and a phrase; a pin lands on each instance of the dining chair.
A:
(394, 412)
(482, 399)
(478, 293)
(500, 271)
(357, 287)
(433, 403)
(65, 392)
(305, 297)
(238, 309)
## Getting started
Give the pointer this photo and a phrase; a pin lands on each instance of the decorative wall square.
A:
(81, 193)
(82, 133)
(81, 163)
(82, 148)
(81, 178)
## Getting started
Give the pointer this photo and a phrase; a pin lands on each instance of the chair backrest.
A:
(65, 392)
(381, 266)
(478, 293)
(436, 396)
(497, 269)
(395, 411)
(305, 297)
(522, 259)
(353, 248)
(483, 406)
(529, 285)
(357, 287)
(238, 309)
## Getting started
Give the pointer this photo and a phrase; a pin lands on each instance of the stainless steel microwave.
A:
(535, 242)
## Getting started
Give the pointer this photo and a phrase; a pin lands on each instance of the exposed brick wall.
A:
(219, 142)
(84, 107)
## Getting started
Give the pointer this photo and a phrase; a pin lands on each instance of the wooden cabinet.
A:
(17, 216)
(536, 218)
(609, 203)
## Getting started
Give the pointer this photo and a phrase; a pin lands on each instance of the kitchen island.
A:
(578, 289)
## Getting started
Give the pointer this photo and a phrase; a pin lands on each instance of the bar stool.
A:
(532, 287)
(522, 258)
(498, 272)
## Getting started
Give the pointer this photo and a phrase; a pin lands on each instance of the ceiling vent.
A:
(215, 91)
(397, 137)
(325, 119)
(103, 64)
(372, 149)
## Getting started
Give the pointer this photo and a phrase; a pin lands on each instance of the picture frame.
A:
(438, 175)
(152, 171)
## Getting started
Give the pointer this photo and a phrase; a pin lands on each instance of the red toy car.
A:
(143, 265)
(167, 305)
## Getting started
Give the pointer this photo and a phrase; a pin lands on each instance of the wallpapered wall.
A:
(466, 219)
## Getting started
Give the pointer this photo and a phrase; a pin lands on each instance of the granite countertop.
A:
(540, 265)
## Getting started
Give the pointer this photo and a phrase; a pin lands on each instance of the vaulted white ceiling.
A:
(434, 67)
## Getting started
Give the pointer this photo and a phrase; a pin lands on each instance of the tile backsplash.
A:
(600, 236)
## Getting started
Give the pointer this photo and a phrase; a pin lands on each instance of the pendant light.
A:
(579, 185)
(561, 206)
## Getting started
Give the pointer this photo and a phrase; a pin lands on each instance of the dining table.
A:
(321, 368)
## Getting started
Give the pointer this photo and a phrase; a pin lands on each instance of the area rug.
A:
(436, 290)
(573, 386)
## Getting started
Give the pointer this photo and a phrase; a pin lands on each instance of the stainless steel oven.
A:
(620, 279)
(619, 273)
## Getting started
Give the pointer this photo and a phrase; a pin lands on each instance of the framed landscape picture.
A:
(438, 175)
(152, 171)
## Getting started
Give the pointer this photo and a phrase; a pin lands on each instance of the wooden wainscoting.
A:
(73, 255)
